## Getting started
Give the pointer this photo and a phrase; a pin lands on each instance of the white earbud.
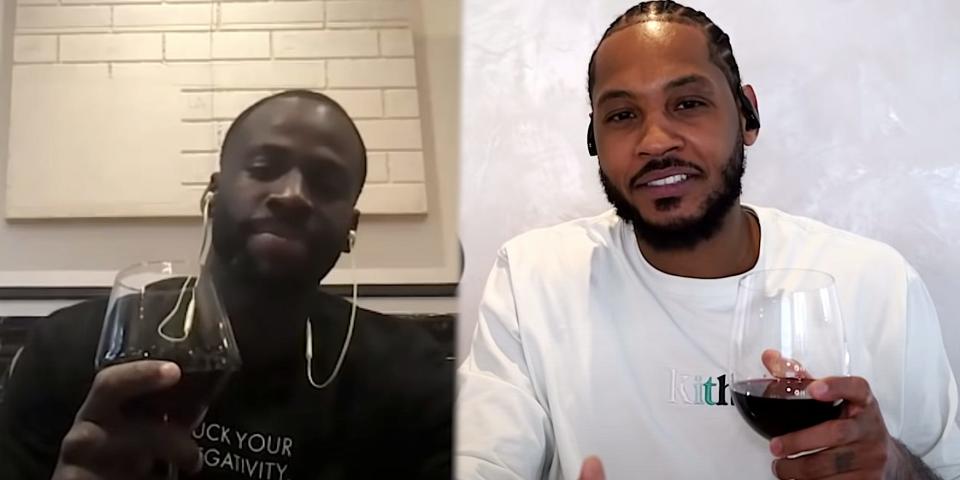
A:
(206, 202)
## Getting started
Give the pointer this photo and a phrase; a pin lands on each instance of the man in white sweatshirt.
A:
(605, 339)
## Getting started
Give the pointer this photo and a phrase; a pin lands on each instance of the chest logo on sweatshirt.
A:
(691, 389)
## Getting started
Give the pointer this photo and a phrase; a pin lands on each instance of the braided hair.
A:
(721, 53)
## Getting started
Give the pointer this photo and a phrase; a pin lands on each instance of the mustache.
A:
(661, 164)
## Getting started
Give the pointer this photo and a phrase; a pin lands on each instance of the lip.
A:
(268, 245)
(653, 176)
(678, 189)
(277, 229)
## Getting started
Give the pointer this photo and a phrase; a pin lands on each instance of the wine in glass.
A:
(170, 311)
(787, 332)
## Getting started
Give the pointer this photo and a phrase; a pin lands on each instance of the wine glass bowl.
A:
(170, 311)
(788, 331)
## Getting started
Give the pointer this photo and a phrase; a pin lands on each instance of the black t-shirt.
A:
(387, 415)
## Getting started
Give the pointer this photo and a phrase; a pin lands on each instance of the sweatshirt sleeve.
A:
(503, 430)
(929, 392)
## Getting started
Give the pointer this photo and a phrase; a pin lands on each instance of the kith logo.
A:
(699, 389)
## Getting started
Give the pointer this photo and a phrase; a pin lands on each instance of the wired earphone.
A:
(352, 240)
(205, 204)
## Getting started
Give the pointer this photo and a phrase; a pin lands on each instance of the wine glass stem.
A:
(172, 473)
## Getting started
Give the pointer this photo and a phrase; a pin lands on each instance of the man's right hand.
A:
(107, 443)
(592, 469)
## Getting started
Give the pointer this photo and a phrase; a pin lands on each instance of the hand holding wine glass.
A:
(791, 369)
(856, 445)
(108, 441)
(166, 351)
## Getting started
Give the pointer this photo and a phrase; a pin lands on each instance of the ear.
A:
(214, 182)
(750, 136)
(591, 139)
(210, 193)
(354, 224)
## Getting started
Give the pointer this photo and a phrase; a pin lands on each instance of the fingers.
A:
(130, 450)
(852, 389)
(839, 462)
(74, 472)
(827, 434)
(115, 385)
(782, 367)
(592, 469)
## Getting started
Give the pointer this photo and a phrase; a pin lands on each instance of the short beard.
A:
(229, 246)
(686, 233)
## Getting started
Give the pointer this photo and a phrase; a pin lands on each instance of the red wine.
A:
(201, 380)
(774, 407)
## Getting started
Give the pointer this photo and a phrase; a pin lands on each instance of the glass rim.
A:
(192, 267)
(744, 282)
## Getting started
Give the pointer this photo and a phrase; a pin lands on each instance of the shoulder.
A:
(578, 232)
(73, 332)
(400, 364)
(581, 238)
(392, 341)
(843, 249)
(53, 373)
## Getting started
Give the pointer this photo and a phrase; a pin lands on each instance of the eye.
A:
(620, 116)
(263, 168)
(690, 103)
(328, 183)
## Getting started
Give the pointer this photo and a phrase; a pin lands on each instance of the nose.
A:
(657, 138)
(290, 201)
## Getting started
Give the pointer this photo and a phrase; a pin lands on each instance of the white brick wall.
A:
(367, 10)
(381, 72)
(198, 63)
(38, 2)
(396, 43)
(162, 17)
(377, 168)
(243, 14)
(401, 103)
(62, 18)
(35, 49)
(406, 167)
(105, 47)
(325, 44)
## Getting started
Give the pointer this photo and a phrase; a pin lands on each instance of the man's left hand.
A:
(855, 446)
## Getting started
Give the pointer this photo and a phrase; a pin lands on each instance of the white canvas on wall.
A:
(119, 110)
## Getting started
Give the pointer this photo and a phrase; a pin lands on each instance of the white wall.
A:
(858, 101)
(391, 248)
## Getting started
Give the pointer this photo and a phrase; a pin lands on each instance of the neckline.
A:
(690, 286)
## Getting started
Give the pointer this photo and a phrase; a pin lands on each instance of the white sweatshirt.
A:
(583, 348)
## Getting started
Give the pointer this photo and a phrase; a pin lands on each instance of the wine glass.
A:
(170, 311)
(787, 332)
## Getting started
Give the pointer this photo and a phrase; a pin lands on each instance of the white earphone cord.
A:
(347, 338)
(191, 307)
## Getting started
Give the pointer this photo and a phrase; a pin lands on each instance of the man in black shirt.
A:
(283, 210)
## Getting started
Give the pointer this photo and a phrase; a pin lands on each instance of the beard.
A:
(229, 244)
(684, 233)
